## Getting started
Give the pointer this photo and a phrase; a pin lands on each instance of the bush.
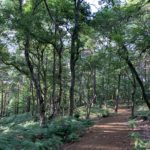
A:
(139, 144)
(145, 115)
(23, 133)
(132, 123)
(77, 115)
(68, 128)
(73, 137)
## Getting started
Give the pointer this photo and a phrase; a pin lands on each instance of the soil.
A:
(111, 133)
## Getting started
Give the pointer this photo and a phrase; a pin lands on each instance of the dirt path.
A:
(110, 133)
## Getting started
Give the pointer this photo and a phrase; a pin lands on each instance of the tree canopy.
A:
(57, 56)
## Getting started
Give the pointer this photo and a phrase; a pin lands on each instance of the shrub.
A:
(77, 115)
(68, 128)
(21, 132)
(132, 123)
(139, 144)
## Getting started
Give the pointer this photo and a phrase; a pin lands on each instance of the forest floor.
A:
(110, 133)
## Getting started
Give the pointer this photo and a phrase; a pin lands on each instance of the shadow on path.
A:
(111, 133)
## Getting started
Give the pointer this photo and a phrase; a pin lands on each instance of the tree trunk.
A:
(72, 89)
(60, 79)
(94, 85)
(89, 102)
(36, 83)
(54, 82)
(44, 70)
(117, 93)
(81, 91)
(74, 52)
(2, 98)
(18, 99)
(5, 104)
(133, 96)
(28, 100)
(133, 70)
(28, 104)
(33, 98)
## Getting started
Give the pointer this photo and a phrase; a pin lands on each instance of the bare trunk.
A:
(133, 70)
(44, 70)
(17, 102)
(28, 104)
(89, 103)
(60, 79)
(2, 98)
(33, 98)
(117, 94)
(74, 52)
(36, 83)
(72, 89)
(5, 104)
(81, 91)
(133, 97)
(94, 85)
(145, 97)
(54, 82)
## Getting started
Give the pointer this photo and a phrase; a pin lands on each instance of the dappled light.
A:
(74, 74)
(109, 133)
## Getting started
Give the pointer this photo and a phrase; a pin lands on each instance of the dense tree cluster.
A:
(56, 56)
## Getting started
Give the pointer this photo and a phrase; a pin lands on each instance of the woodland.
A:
(63, 65)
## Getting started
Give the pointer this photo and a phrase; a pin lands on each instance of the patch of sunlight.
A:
(142, 108)
(106, 126)
(109, 131)
(98, 147)
(118, 123)
(28, 123)
(2, 128)
(114, 127)
(7, 130)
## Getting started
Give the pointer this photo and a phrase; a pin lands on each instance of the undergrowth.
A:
(21, 132)
(95, 112)
(139, 142)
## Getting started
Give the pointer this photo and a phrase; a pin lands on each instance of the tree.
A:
(119, 21)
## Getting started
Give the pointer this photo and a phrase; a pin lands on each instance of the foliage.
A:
(95, 112)
(68, 128)
(132, 123)
(139, 144)
(21, 132)
(140, 114)
(50, 46)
